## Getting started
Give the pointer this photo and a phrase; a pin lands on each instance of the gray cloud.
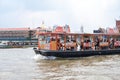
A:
(89, 13)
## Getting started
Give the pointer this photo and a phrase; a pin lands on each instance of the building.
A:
(118, 24)
(61, 29)
(24, 36)
(100, 30)
(109, 30)
(42, 29)
(112, 31)
(14, 34)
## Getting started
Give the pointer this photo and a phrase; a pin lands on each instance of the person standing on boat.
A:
(112, 43)
(74, 45)
(81, 45)
(97, 44)
(59, 45)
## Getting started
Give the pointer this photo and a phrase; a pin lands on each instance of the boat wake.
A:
(39, 57)
(50, 57)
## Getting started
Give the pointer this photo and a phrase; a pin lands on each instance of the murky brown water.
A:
(23, 64)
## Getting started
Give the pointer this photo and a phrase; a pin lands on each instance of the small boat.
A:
(5, 45)
(67, 45)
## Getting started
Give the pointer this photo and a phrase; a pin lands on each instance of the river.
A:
(23, 64)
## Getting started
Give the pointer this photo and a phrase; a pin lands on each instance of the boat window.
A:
(48, 39)
(87, 39)
(41, 37)
(78, 39)
(61, 37)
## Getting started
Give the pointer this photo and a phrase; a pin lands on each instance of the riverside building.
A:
(22, 36)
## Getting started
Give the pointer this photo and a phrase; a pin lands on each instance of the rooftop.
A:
(14, 29)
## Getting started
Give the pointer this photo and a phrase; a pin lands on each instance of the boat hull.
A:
(69, 54)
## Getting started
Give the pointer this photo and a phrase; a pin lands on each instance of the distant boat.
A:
(4, 44)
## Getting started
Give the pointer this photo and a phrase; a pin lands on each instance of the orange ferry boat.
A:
(66, 45)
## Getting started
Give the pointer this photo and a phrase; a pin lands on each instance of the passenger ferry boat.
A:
(67, 45)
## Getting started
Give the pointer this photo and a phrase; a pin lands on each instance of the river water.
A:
(23, 64)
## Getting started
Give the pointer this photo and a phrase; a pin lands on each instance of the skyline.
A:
(91, 14)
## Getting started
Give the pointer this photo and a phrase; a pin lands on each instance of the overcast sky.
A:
(91, 14)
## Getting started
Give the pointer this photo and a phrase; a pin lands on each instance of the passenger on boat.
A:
(87, 44)
(68, 43)
(117, 44)
(71, 45)
(97, 44)
(81, 45)
(111, 44)
(93, 46)
(59, 45)
(104, 44)
(78, 47)
(52, 39)
(74, 45)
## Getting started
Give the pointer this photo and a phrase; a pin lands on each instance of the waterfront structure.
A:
(18, 36)
(42, 28)
(100, 30)
(14, 34)
(118, 24)
(109, 30)
(61, 29)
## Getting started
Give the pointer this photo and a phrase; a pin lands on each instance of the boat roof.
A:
(89, 34)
